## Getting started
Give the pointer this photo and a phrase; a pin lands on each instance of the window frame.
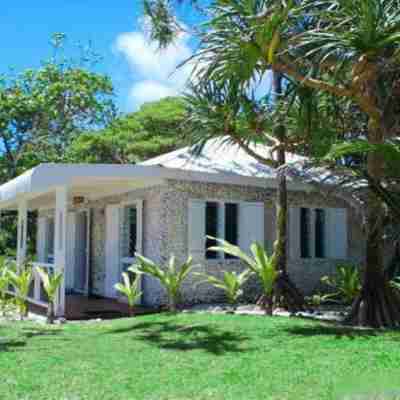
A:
(221, 256)
(138, 204)
(313, 231)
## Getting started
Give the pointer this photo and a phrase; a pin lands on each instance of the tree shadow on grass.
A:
(337, 331)
(24, 334)
(180, 337)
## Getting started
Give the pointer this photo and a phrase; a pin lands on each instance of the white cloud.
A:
(154, 73)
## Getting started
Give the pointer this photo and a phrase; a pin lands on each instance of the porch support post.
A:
(60, 243)
(22, 231)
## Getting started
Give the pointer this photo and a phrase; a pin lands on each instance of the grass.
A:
(195, 356)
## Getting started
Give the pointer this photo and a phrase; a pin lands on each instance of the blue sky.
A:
(139, 71)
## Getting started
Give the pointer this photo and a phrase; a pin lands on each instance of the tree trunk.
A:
(131, 311)
(378, 304)
(50, 313)
(285, 293)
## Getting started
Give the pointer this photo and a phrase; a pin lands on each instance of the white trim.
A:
(47, 177)
(22, 231)
(60, 243)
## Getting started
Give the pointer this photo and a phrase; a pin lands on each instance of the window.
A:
(231, 225)
(224, 215)
(320, 233)
(50, 241)
(129, 231)
(305, 234)
(211, 228)
(312, 233)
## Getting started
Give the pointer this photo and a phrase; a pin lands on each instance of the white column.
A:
(60, 243)
(22, 231)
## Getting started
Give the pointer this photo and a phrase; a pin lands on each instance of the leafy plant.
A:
(4, 285)
(51, 283)
(259, 263)
(231, 283)
(130, 289)
(21, 280)
(170, 276)
(346, 283)
(395, 283)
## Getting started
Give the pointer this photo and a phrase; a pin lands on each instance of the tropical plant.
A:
(346, 283)
(4, 286)
(231, 283)
(396, 283)
(51, 283)
(130, 289)
(21, 280)
(170, 276)
(259, 263)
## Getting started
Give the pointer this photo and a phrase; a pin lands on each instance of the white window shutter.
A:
(197, 228)
(251, 225)
(294, 232)
(41, 245)
(112, 249)
(337, 231)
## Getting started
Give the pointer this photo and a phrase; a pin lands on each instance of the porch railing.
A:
(37, 294)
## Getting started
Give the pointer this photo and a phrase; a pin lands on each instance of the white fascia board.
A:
(46, 177)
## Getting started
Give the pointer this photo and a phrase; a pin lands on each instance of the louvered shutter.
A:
(251, 225)
(197, 229)
(337, 233)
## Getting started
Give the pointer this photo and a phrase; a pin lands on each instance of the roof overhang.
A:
(46, 178)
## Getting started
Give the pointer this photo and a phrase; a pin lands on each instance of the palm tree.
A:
(258, 263)
(231, 283)
(21, 280)
(4, 285)
(51, 284)
(171, 276)
(130, 289)
(232, 112)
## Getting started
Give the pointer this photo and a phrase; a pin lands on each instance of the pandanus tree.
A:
(232, 113)
(348, 49)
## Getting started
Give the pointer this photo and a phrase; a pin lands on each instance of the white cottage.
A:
(93, 218)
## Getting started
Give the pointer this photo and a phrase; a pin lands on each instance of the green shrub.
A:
(170, 276)
(21, 280)
(231, 283)
(130, 289)
(259, 264)
(346, 283)
(51, 284)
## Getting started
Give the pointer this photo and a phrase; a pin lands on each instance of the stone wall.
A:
(305, 272)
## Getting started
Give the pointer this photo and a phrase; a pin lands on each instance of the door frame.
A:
(113, 256)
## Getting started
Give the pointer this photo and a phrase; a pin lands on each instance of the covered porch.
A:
(63, 239)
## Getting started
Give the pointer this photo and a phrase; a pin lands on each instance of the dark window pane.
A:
(211, 227)
(231, 225)
(132, 223)
(305, 232)
(319, 233)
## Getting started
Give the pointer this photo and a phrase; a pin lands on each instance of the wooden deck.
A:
(79, 307)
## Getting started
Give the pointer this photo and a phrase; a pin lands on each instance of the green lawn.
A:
(195, 356)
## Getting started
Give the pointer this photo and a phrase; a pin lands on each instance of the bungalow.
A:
(93, 218)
